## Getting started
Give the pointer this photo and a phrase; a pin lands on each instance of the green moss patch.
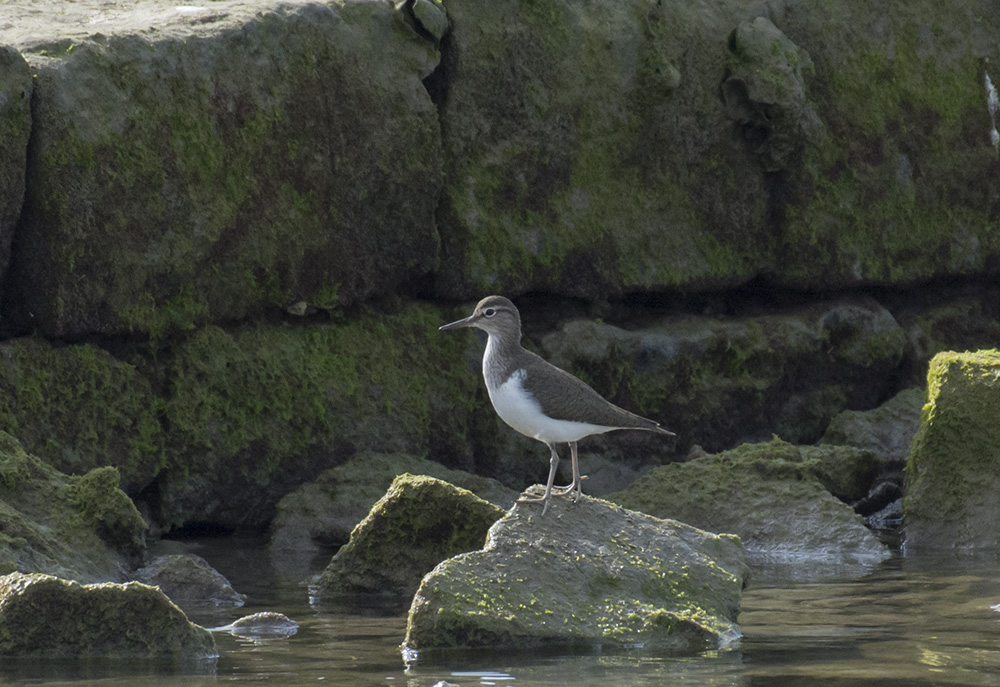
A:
(952, 472)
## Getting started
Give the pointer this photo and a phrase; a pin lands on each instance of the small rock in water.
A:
(190, 581)
(263, 625)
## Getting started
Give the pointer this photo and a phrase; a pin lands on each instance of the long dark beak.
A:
(464, 322)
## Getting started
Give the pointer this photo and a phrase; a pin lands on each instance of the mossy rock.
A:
(953, 471)
(257, 411)
(82, 527)
(585, 574)
(420, 522)
(324, 512)
(78, 408)
(600, 159)
(887, 430)
(765, 493)
(42, 616)
(896, 193)
(245, 161)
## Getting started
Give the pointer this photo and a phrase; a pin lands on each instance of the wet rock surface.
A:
(585, 574)
(419, 522)
(190, 582)
(261, 626)
(44, 616)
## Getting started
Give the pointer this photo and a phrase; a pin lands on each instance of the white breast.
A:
(520, 410)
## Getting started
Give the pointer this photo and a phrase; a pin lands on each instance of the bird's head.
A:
(495, 315)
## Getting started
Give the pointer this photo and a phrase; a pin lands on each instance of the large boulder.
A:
(768, 494)
(589, 162)
(419, 522)
(324, 512)
(192, 165)
(82, 527)
(719, 381)
(587, 573)
(46, 617)
(953, 473)
(848, 147)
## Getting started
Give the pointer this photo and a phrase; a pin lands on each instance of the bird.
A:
(540, 400)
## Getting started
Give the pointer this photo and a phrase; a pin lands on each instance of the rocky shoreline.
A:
(228, 235)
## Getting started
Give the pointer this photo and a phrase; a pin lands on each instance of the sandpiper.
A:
(537, 398)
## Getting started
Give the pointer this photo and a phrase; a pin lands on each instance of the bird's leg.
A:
(577, 483)
(553, 466)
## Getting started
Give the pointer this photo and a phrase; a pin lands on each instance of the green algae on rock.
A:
(765, 493)
(78, 408)
(244, 160)
(586, 573)
(953, 472)
(323, 512)
(894, 193)
(599, 159)
(266, 408)
(42, 616)
(420, 522)
(80, 527)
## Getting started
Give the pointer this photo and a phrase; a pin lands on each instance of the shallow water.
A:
(909, 621)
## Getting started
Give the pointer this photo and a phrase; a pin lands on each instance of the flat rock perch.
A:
(584, 574)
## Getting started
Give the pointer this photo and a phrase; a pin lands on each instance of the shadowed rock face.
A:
(953, 471)
(584, 574)
(44, 616)
(15, 126)
(82, 527)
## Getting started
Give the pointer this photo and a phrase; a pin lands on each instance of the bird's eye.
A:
(489, 312)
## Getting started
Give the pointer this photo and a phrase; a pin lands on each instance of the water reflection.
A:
(916, 621)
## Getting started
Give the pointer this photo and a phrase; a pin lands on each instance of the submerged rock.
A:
(189, 581)
(325, 511)
(768, 494)
(263, 625)
(44, 616)
(418, 523)
(953, 473)
(586, 573)
(82, 527)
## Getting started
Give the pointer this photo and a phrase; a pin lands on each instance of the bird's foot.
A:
(526, 498)
(568, 489)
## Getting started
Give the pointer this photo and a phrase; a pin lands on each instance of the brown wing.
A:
(565, 397)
